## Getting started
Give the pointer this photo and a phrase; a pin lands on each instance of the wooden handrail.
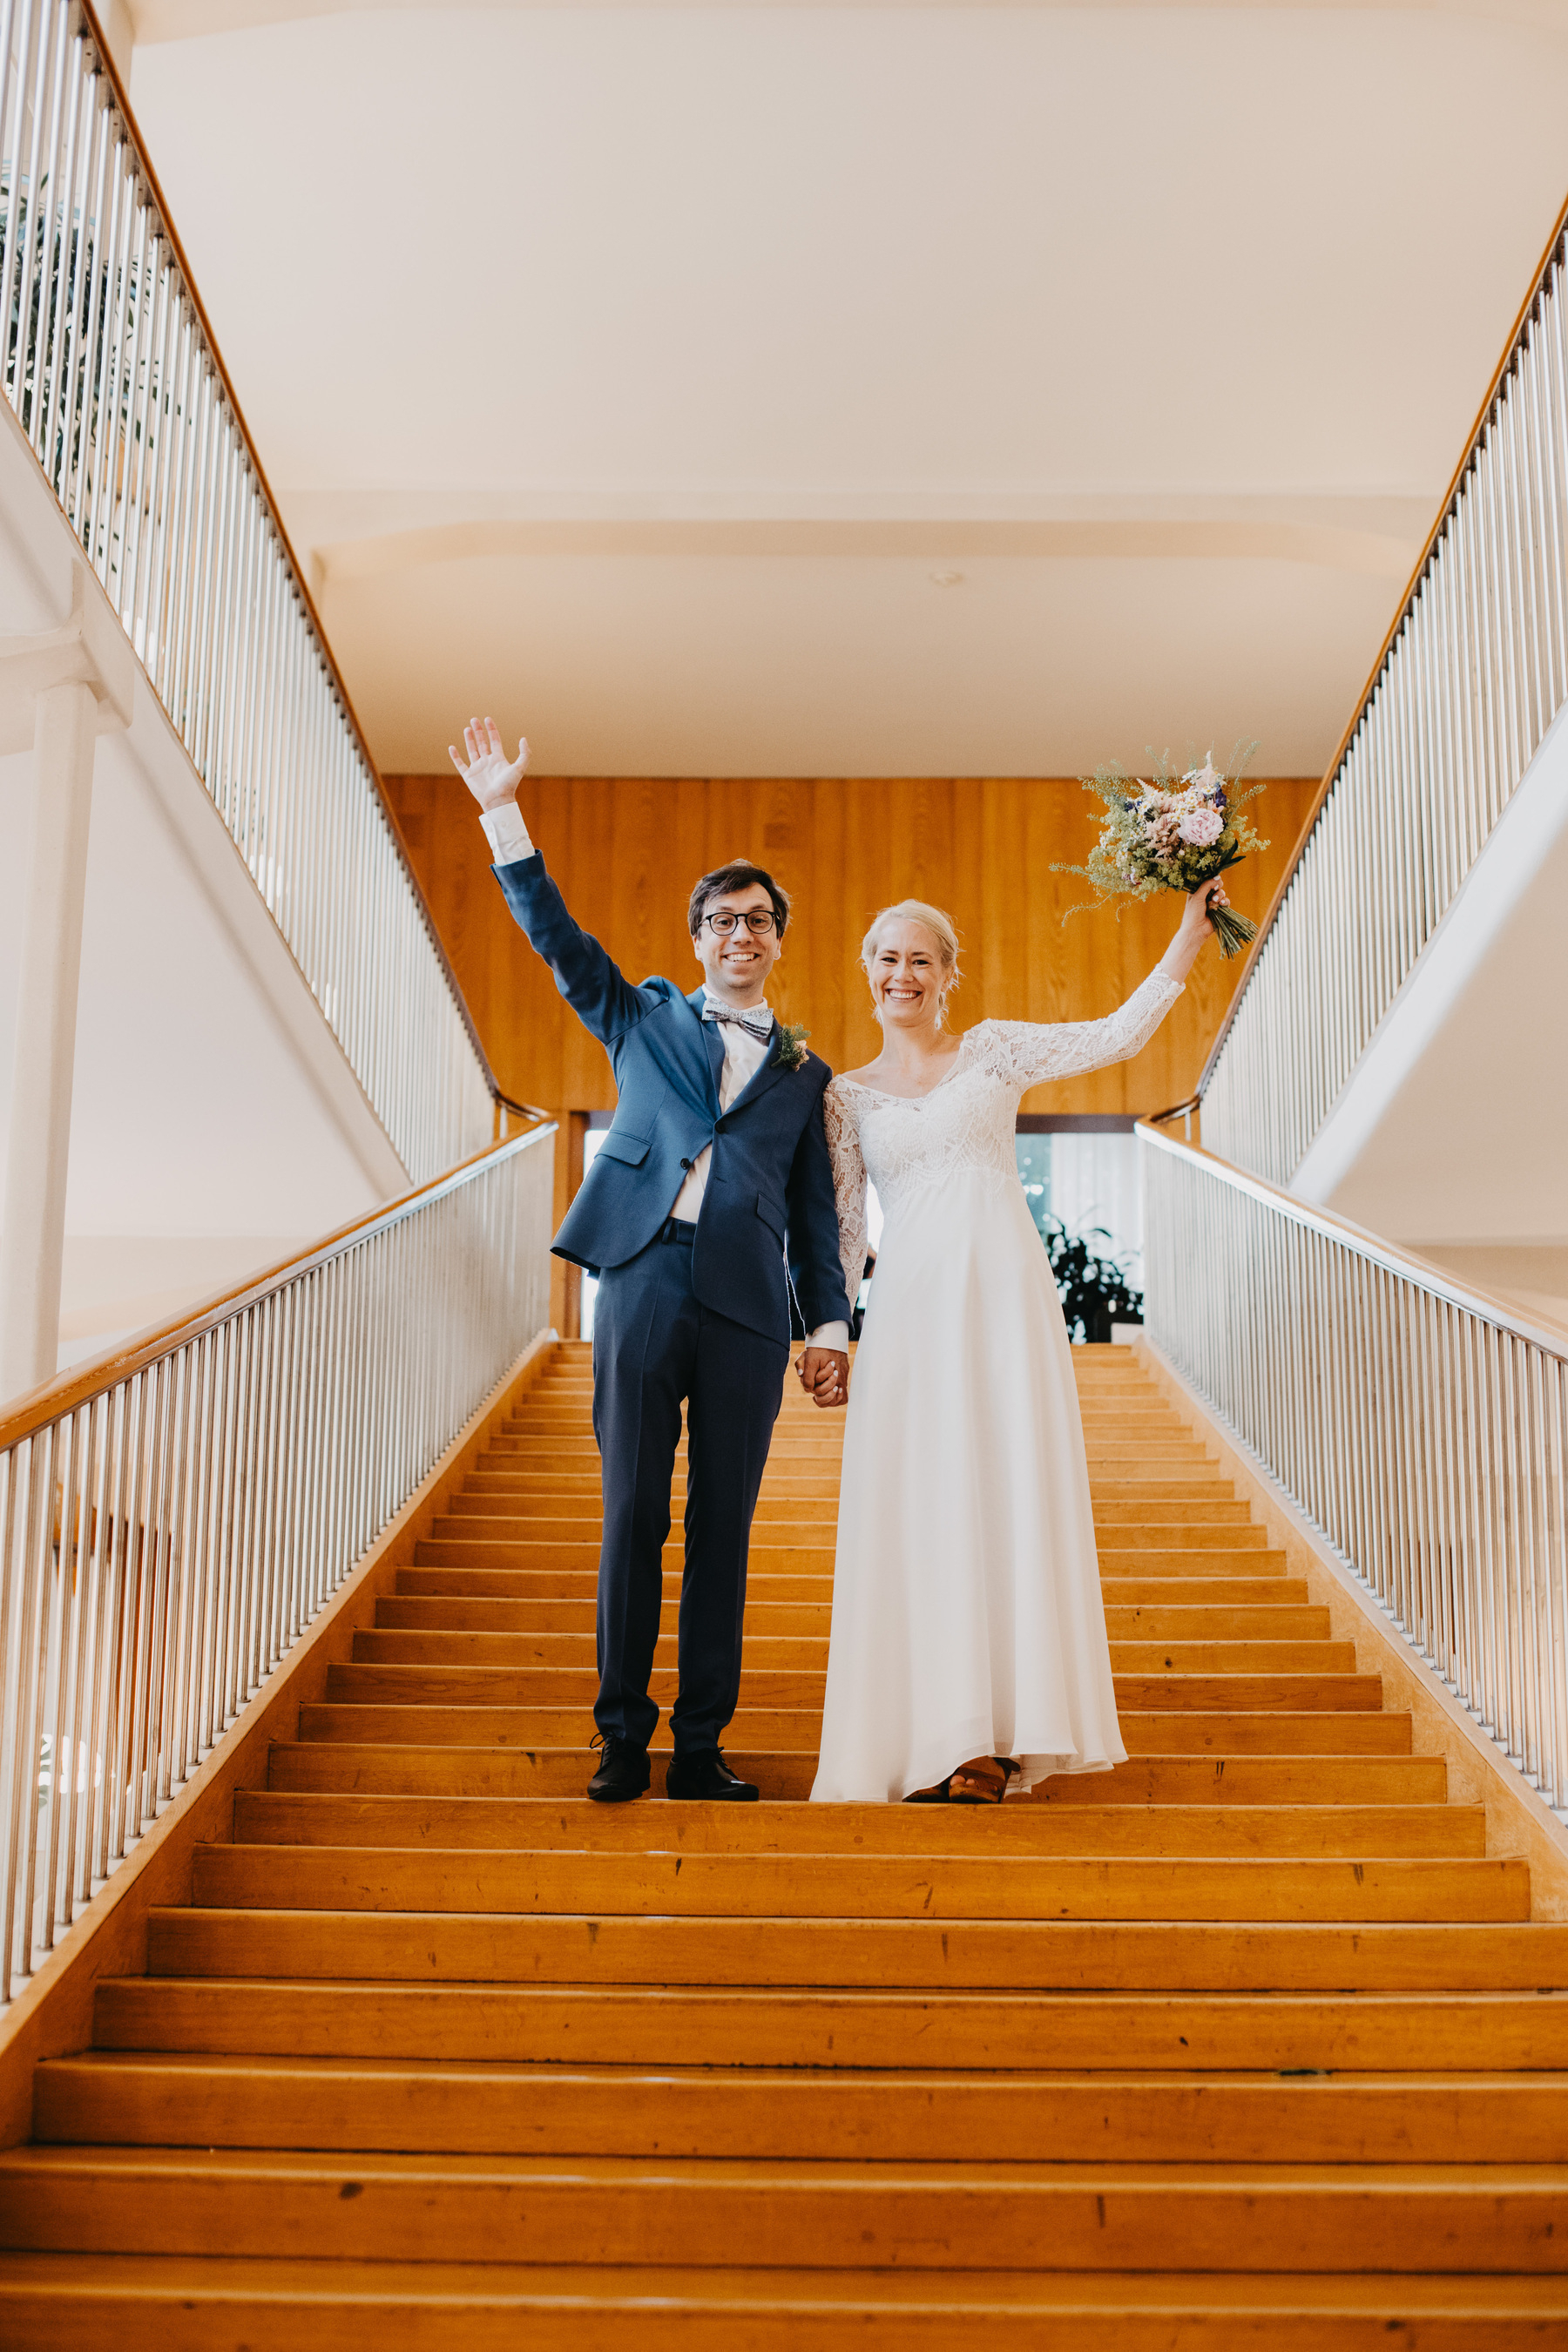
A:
(70, 1389)
(154, 186)
(1402, 611)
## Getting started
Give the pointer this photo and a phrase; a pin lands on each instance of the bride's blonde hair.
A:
(931, 919)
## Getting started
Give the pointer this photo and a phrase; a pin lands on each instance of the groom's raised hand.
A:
(825, 1375)
(490, 775)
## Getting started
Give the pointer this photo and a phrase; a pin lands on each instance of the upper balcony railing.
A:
(111, 368)
(1469, 678)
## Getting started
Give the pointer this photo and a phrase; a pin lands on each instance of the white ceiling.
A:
(646, 376)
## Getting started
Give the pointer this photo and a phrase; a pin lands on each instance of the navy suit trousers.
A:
(655, 1346)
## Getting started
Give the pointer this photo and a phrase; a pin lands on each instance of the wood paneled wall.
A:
(626, 852)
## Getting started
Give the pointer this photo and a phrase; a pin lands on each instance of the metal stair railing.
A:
(1422, 1427)
(173, 1516)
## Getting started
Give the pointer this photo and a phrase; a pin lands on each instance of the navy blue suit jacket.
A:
(769, 1200)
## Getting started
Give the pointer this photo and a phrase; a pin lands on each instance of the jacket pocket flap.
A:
(632, 1148)
(771, 1214)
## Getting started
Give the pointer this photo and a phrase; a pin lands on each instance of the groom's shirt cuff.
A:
(507, 833)
(830, 1334)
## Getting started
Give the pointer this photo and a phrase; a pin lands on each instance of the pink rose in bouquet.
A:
(1201, 826)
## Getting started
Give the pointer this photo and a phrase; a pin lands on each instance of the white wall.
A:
(1452, 1134)
(215, 1123)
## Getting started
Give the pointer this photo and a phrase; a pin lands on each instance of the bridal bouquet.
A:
(1175, 833)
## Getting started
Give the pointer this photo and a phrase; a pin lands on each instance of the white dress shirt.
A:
(744, 1054)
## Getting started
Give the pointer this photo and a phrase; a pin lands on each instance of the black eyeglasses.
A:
(761, 919)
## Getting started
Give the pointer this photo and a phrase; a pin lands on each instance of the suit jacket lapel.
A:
(712, 1045)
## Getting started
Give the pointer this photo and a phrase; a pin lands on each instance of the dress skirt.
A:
(967, 1614)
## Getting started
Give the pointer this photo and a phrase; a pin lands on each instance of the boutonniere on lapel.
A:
(793, 1035)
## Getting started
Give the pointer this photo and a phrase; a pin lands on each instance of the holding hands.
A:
(824, 1374)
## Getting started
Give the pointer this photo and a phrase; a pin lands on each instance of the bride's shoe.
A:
(936, 1795)
(982, 1781)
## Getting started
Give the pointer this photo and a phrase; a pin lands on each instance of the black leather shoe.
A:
(707, 1776)
(623, 1773)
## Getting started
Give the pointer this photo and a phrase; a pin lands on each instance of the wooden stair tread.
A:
(278, 1817)
(815, 2026)
(210, 2099)
(1045, 1955)
(347, 1766)
(871, 1886)
(670, 2299)
(1336, 1725)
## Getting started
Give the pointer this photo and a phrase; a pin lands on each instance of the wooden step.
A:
(571, 1517)
(580, 1495)
(1263, 1619)
(1183, 1559)
(769, 1656)
(474, 1551)
(540, 1769)
(468, 1613)
(792, 1884)
(174, 2099)
(1198, 1578)
(582, 1582)
(1053, 1955)
(617, 2210)
(102, 2303)
(276, 1817)
(1165, 1526)
(1157, 1728)
(1358, 2032)
(498, 1474)
(343, 1767)
(763, 1688)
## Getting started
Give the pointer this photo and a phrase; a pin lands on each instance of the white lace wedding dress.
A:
(967, 1617)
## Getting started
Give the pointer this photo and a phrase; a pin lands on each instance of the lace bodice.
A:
(968, 1120)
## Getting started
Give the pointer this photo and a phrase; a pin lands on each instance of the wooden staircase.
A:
(1247, 2044)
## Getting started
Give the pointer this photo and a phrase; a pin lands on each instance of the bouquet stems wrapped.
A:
(1175, 833)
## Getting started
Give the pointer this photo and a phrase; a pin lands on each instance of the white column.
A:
(32, 1242)
(63, 689)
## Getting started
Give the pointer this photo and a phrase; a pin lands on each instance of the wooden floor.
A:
(1248, 2043)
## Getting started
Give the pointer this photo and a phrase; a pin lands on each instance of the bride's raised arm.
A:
(848, 1188)
(1036, 1051)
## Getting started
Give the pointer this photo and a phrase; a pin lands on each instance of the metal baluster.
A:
(66, 249)
(85, 388)
(26, 211)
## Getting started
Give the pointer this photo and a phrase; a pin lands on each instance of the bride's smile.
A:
(912, 968)
(907, 975)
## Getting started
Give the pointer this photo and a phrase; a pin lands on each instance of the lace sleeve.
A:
(848, 1188)
(1035, 1051)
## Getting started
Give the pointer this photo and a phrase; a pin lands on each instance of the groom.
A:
(713, 1176)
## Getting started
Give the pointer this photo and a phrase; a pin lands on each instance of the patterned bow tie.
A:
(757, 1017)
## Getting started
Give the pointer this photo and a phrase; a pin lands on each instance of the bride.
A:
(968, 1647)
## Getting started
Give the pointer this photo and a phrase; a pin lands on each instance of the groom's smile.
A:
(736, 961)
